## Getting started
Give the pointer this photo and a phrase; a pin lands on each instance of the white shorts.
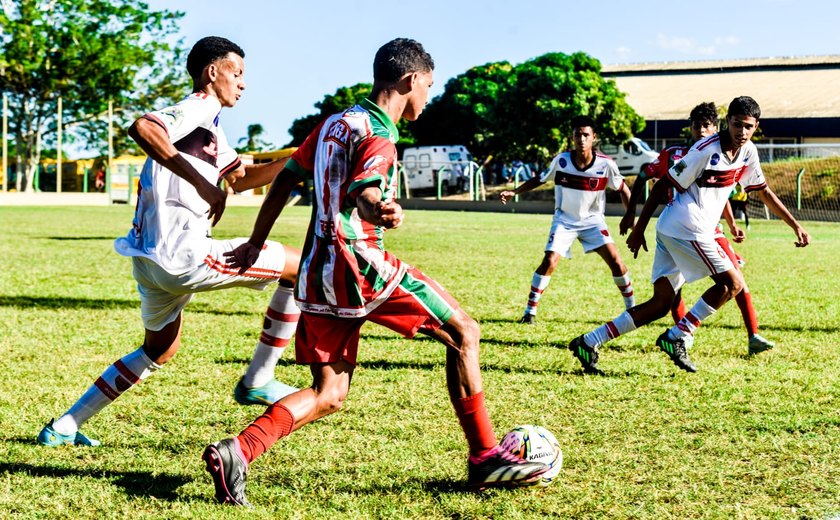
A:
(561, 237)
(164, 295)
(686, 261)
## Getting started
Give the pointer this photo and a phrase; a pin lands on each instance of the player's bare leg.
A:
(539, 282)
(621, 277)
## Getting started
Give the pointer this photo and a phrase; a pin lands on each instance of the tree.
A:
(466, 111)
(87, 52)
(253, 141)
(344, 98)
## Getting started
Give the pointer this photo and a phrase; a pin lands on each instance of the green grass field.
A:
(742, 438)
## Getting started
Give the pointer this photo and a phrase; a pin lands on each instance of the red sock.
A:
(277, 422)
(678, 310)
(744, 301)
(475, 421)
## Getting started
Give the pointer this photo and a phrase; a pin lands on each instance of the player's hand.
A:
(738, 234)
(390, 214)
(506, 195)
(216, 198)
(626, 223)
(636, 242)
(243, 256)
(802, 237)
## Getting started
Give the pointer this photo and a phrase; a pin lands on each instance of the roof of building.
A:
(791, 87)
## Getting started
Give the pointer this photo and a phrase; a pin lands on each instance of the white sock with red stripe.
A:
(538, 285)
(625, 287)
(692, 319)
(117, 378)
(612, 329)
(279, 326)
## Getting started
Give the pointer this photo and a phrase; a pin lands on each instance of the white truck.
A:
(631, 157)
(424, 164)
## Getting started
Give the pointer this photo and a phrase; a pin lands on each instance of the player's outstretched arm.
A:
(778, 208)
(153, 139)
(529, 185)
(253, 176)
(629, 202)
(737, 233)
(636, 241)
(374, 210)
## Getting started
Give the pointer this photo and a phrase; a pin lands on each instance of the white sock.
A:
(538, 285)
(625, 287)
(692, 319)
(621, 325)
(126, 372)
(279, 326)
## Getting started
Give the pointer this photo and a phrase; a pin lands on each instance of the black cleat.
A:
(588, 356)
(675, 348)
(504, 469)
(228, 471)
(528, 319)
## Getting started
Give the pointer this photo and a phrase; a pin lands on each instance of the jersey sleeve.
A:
(615, 180)
(687, 170)
(227, 159)
(183, 118)
(373, 159)
(551, 171)
(302, 161)
(658, 167)
(753, 177)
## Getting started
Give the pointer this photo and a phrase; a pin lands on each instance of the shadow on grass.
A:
(79, 238)
(135, 483)
(63, 302)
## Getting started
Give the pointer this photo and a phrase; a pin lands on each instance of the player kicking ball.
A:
(580, 180)
(172, 254)
(347, 278)
(686, 249)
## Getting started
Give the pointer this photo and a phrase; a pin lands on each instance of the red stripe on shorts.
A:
(703, 256)
(252, 272)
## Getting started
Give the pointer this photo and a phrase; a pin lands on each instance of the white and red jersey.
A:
(579, 197)
(170, 224)
(668, 157)
(703, 180)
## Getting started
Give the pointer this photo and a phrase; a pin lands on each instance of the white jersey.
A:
(703, 180)
(170, 224)
(579, 197)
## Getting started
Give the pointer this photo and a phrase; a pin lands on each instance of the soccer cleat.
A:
(588, 356)
(50, 437)
(503, 469)
(528, 319)
(229, 472)
(266, 395)
(675, 348)
(759, 344)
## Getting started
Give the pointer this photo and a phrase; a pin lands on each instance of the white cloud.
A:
(624, 51)
(688, 46)
(727, 41)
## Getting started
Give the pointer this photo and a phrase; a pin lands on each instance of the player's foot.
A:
(759, 344)
(50, 437)
(528, 319)
(266, 395)
(675, 348)
(588, 356)
(500, 468)
(229, 471)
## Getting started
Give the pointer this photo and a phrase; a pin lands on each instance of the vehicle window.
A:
(646, 147)
(425, 160)
(631, 148)
(410, 162)
(454, 156)
(609, 148)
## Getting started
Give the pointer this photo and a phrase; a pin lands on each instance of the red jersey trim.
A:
(230, 167)
(155, 120)
(757, 187)
(676, 185)
(712, 139)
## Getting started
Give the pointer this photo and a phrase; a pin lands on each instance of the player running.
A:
(703, 121)
(347, 278)
(686, 250)
(580, 180)
(173, 256)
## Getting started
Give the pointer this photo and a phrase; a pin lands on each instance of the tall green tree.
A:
(88, 52)
(342, 99)
(253, 140)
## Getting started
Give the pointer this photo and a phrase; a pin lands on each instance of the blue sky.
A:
(298, 51)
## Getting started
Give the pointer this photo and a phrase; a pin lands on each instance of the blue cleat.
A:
(265, 395)
(50, 437)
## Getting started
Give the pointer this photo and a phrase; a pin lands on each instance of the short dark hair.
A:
(582, 121)
(206, 51)
(744, 106)
(399, 57)
(704, 112)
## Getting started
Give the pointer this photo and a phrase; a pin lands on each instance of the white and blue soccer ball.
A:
(535, 444)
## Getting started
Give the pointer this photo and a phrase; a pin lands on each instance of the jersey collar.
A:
(383, 118)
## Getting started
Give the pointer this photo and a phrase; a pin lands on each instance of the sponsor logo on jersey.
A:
(338, 133)
(562, 162)
(172, 115)
(600, 172)
(680, 167)
(715, 159)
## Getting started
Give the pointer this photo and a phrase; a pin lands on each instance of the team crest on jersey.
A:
(593, 183)
(562, 162)
(172, 115)
(715, 159)
(338, 133)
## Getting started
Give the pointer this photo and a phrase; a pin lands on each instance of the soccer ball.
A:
(535, 444)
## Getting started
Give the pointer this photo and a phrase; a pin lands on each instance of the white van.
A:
(631, 157)
(423, 163)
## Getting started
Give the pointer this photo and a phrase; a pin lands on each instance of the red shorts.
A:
(418, 303)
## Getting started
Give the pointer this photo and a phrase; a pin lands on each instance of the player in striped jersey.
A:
(580, 179)
(686, 250)
(703, 123)
(347, 277)
(172, 253)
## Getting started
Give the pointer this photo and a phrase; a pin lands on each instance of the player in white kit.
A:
(581, 178)
(686, 249)
(172, 253)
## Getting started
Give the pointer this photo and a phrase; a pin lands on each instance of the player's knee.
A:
(330, 400)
